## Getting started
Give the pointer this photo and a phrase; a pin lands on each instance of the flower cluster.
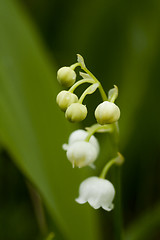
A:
(83, 147)
(106, 112)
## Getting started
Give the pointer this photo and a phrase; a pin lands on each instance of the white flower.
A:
(80, 135)
(97, 192)
(107, 112)
(66, 76)
(65, 99)
(76, 112)
(79, 152)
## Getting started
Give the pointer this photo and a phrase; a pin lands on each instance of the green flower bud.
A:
(66, 76)
(65, 99)
(107, 112)
(76, 112)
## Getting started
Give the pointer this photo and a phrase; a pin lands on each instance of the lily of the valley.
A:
(80, 152)
(97, 192)
(107, 112)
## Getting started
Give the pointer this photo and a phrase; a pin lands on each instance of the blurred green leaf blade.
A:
(146, 226)
(32, 127)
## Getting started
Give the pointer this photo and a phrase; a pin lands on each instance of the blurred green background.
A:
(120, 42)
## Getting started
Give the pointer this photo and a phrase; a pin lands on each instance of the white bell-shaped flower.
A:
(79, 152)
(97, 192)
(80, 135)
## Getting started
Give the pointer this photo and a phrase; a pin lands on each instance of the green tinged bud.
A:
(65, 99)
(76, 112)
(107, 112)
(66, 76)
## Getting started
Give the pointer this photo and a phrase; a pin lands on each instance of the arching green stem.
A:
(86, 80)
(91, 89)
(73, 66)
(116, 180)
(117, 160)
(102, 92)
(96, 128)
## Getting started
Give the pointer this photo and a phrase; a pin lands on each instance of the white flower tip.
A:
(108, 208)
(80, 200)
(94, 203)
(92, 166)
(65, 146)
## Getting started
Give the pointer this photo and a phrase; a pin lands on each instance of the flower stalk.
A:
(77, 84)
(117, 161)
(98, 128)
(116, 176)
(101, 90)
(83, 148)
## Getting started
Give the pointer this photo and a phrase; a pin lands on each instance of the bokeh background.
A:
(120, 42)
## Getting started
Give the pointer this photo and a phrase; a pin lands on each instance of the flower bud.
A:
(76, 112)
(66, 76)
(107, 112)
(65, 99)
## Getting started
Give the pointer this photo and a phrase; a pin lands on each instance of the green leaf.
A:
(145, 226)
(50, 236)
(141, 52)
(33, 129)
